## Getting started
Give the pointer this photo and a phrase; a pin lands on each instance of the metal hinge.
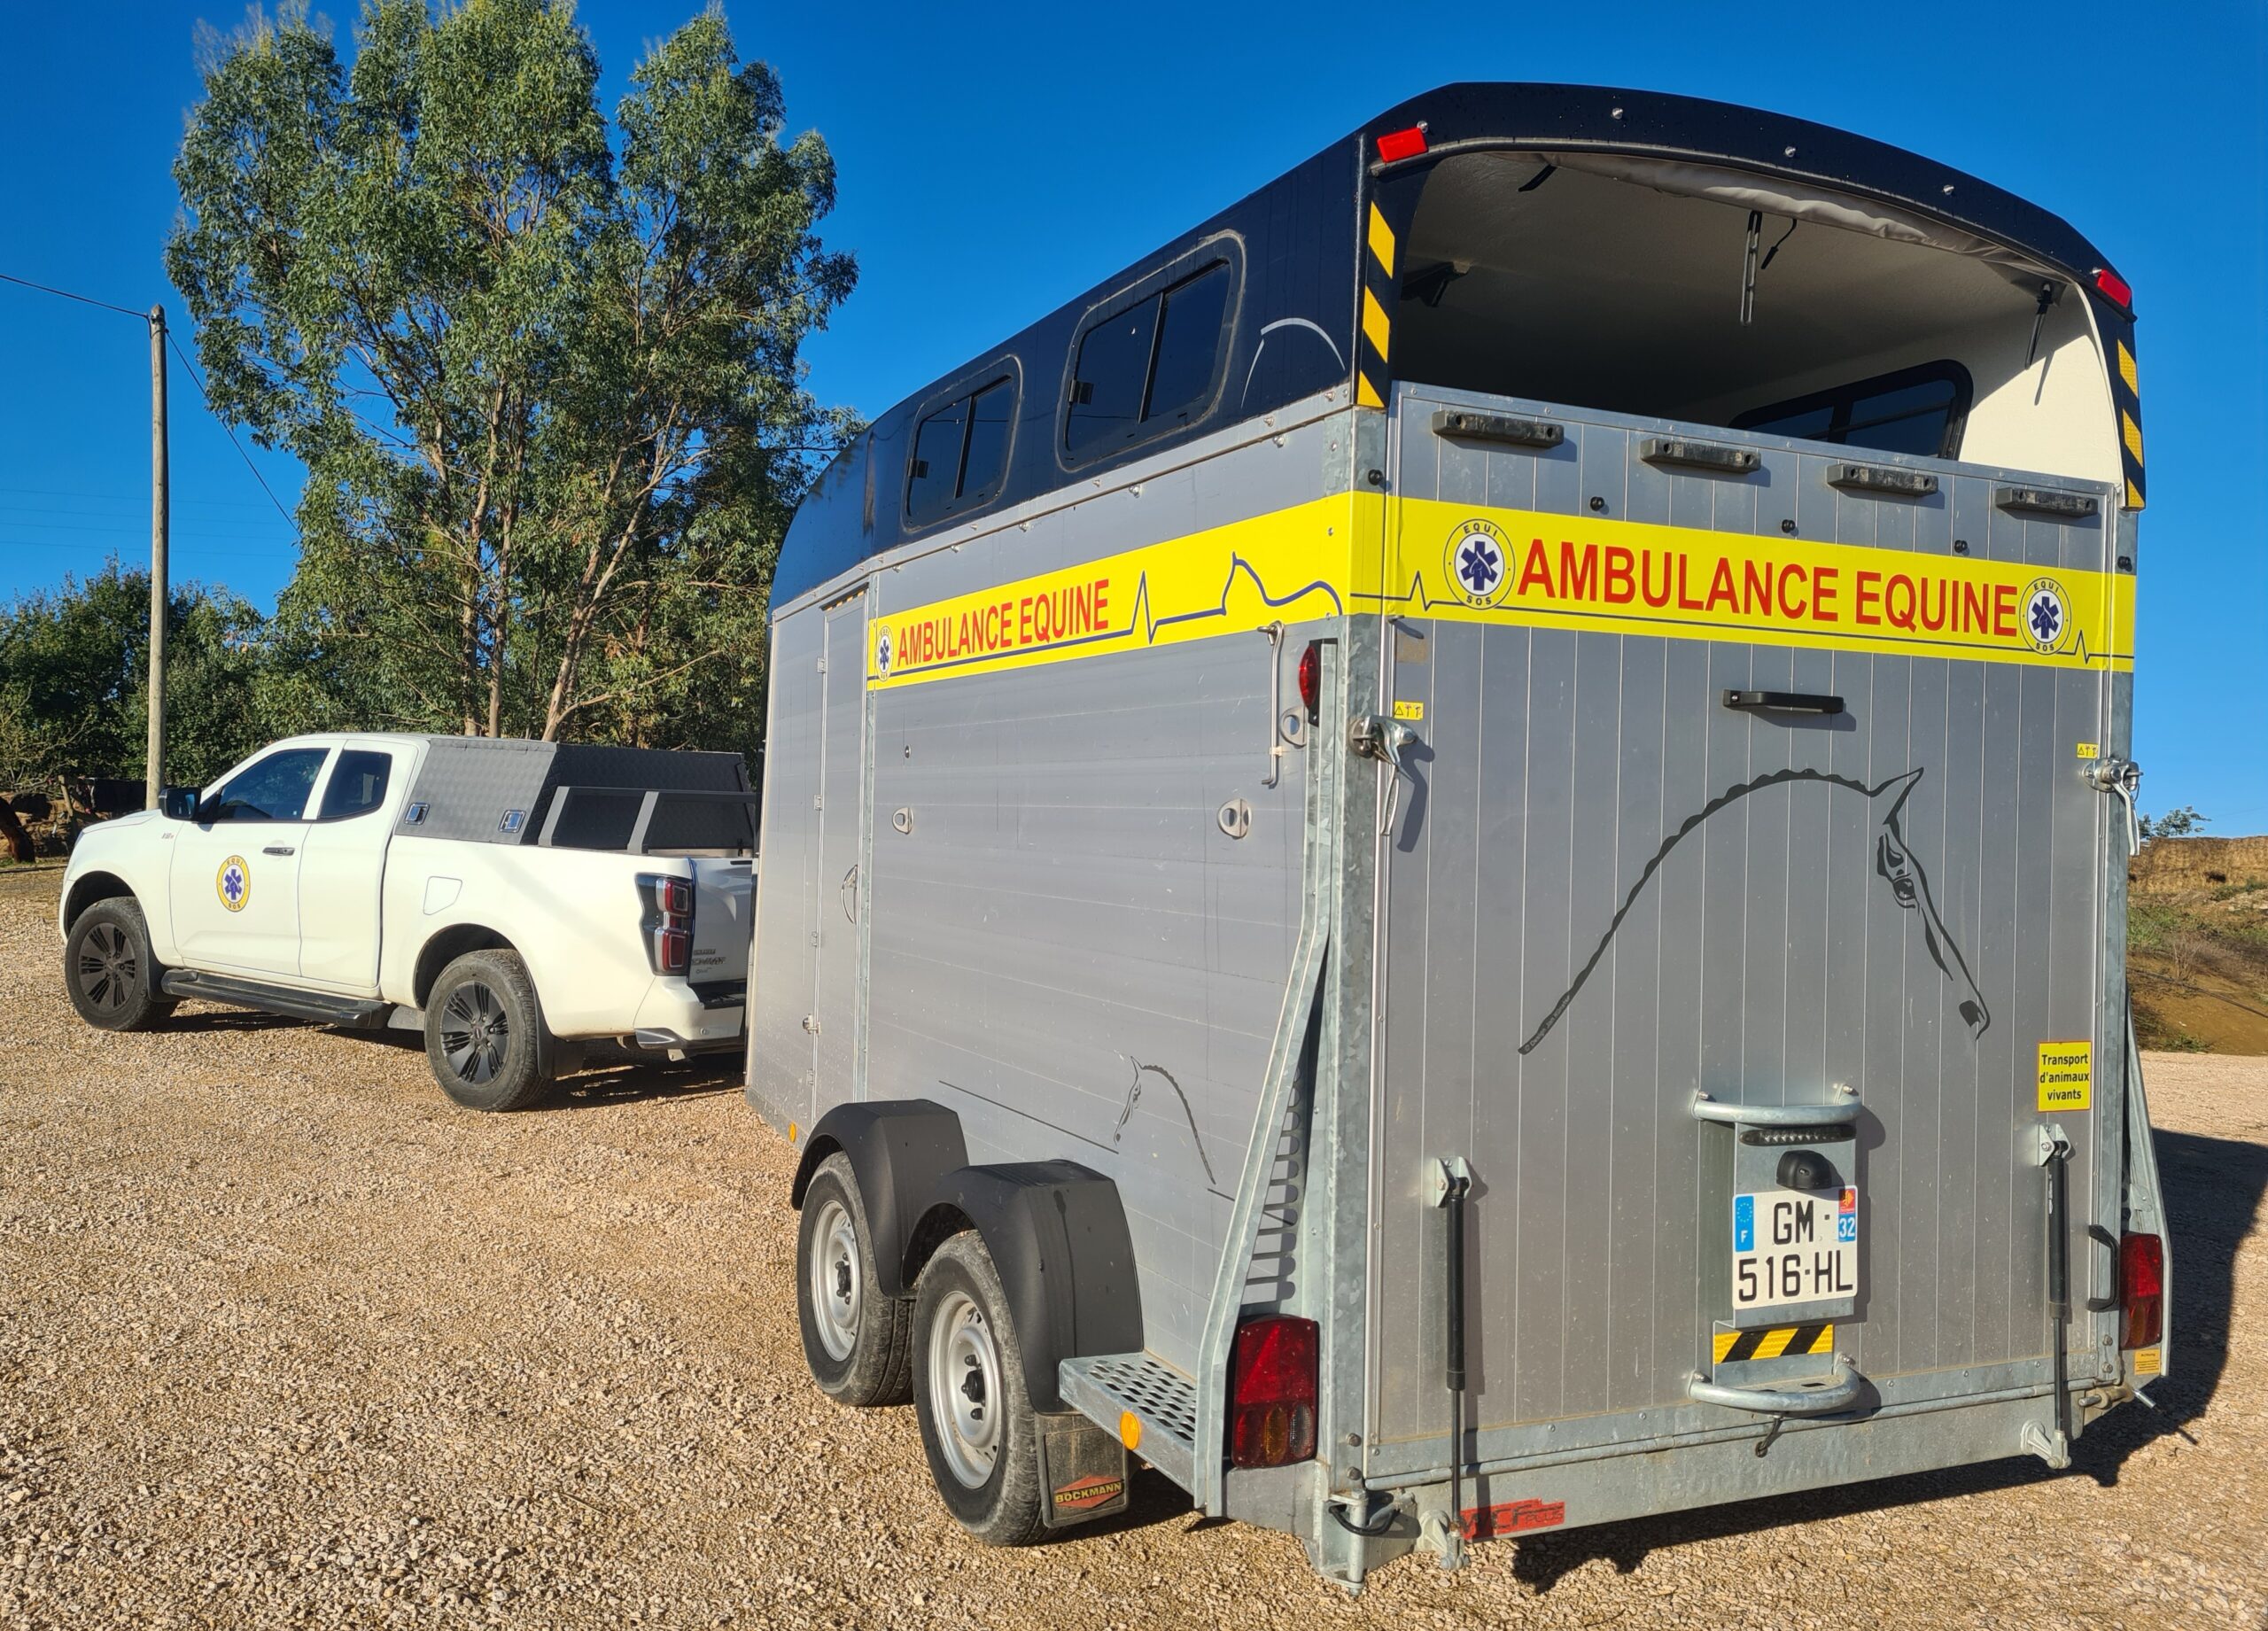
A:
(811, 1023)
(822, 666)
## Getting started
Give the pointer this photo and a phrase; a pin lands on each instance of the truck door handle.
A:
(277, 849)
(1825, 1397)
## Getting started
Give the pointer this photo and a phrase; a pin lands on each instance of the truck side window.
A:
(358, 783)
(275, 788)
(1188, 340)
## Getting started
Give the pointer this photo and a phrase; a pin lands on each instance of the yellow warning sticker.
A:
(2148, 1361)
(2066, 1075)
(2089, 750)
(1412, 711)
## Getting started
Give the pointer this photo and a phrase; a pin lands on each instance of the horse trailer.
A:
(1452, 860)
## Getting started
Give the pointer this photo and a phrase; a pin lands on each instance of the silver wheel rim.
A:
(964, 1393)
(837, 1287)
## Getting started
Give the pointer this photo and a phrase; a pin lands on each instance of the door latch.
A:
(1375, 737)
(2124, 779)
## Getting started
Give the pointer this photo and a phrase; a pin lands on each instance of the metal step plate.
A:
(1110, 1388)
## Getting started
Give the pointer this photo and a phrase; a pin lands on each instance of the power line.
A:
(83, 300)
(230, 432)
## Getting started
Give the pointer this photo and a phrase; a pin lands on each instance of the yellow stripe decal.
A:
(1521, 568)
(2133, 434)
(2126, 359)
(1366, 395)
(1375, 329)
(1779, 1342)
(1381, 241)
(2133, 496)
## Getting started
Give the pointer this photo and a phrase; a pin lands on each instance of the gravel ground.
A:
(285, 1340)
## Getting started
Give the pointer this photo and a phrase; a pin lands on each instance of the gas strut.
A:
(1452, 1182)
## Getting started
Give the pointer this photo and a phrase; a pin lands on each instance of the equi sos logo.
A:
(233, 883)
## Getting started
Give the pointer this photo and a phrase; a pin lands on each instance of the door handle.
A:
(277, 849)
(1827, 1396)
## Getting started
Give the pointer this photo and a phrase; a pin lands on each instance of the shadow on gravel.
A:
(625, 1078)
(2213, 1188)
(217, 1022)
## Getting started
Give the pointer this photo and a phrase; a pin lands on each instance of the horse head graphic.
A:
(1894, 863)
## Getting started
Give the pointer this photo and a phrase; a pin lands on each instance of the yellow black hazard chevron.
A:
(1781, 1341)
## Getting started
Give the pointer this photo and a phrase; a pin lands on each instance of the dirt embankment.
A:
(2197, 943)
(287, 1340)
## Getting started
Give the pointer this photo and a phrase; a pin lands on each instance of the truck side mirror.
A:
(178, 804)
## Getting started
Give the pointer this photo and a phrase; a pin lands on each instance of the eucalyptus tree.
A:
(543, 367)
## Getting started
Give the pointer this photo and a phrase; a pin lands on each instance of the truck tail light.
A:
(1272, 1391)
(2116, 289)
(2142, 1289)
(668, 921)
(1311, 678)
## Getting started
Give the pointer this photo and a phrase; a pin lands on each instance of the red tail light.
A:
(2115, 288)
(1311, 678)
(1401, 144)
(669, 922)
(1272, 1391)
(2141, 1287)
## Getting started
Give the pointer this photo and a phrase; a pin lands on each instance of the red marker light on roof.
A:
(2117, 289)
(1399, 145)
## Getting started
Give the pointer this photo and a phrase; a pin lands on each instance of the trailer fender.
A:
(900, 1151)
(1056, 1234)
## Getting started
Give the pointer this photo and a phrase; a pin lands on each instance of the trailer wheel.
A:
(858, 1342)
(977, 1418)
(484, 1032)
(108, 971)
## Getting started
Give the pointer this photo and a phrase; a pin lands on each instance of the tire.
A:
(108, 971)
(858, 1342)
(484, 1033)
(977, 1425)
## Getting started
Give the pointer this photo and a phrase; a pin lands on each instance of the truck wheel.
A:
(859, 1343)
(969, 1392)
(484, 1032)
(108, 970)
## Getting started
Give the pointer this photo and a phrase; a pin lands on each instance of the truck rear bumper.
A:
(674, 1016)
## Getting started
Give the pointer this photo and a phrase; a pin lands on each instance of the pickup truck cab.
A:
(510, 898)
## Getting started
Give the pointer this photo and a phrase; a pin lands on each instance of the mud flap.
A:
(1083, 1469)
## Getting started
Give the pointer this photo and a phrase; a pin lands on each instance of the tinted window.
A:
(358, 782)
(937, 461)
(1189, 339)
(1919, 410)
(275, 788)
(987, 441)
(1108, 383)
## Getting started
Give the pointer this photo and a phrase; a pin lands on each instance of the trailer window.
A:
(960, 453)
(1918, 410)
(1149, 369)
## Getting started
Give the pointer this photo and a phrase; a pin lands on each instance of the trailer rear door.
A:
(1608, 891)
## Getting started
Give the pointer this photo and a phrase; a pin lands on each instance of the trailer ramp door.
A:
(1744, 878)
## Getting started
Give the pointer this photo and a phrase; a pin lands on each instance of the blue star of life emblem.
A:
(882, 652)
(1478, 570)
(2045, 618)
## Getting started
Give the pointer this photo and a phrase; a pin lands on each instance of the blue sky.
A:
(994, 162)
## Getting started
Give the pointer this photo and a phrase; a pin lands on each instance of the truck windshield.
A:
(1703, 297)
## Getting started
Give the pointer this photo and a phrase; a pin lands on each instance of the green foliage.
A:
(75, 681)
(546, 384)
(2181, 822)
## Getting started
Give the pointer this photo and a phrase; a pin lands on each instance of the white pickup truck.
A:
(510, 898)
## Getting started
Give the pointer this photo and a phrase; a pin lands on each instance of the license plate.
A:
(1794, 1245)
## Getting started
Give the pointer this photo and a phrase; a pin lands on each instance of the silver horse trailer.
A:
(1452, 861)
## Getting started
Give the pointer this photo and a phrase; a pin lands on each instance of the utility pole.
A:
(161, 508)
